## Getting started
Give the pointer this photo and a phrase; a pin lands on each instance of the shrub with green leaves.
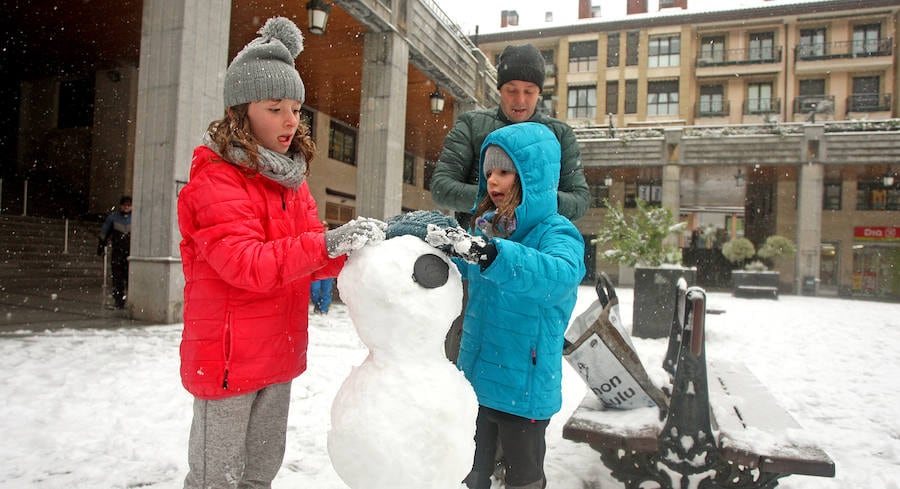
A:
(775, 247)
(639, 238)
(738, 250)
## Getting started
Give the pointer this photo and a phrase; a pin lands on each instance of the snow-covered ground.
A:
(105, 408)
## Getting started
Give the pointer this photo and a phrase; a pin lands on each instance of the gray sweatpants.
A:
(238, 442)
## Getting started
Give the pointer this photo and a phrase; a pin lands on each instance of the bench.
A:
(728, 433)
(754, 291)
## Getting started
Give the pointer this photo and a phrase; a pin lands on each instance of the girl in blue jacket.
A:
(524, 262)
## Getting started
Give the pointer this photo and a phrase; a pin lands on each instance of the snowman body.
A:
(405, 417)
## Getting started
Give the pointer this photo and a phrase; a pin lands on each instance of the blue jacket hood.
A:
(535, 151)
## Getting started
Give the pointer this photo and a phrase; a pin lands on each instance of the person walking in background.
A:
(320, 291)
(116, 230)
(454, 184)
(523, 262)
(251, 244)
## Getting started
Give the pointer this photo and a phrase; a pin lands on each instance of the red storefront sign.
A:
(876, 233)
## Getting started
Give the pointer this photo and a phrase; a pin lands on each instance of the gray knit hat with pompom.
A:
(264, 69)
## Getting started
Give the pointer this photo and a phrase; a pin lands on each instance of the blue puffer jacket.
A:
(520, 305)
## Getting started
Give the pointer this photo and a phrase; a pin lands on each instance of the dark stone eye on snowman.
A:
(430, 271)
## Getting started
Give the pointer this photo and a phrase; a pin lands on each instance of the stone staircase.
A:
(50, 282)
(40, 255)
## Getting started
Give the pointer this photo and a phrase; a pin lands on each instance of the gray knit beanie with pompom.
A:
(264, 69)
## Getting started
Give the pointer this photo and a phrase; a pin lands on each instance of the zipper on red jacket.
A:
(283, 205)
(226, 344)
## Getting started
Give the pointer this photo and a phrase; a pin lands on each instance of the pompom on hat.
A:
(523, 62)
(264, 69)
(495, 157)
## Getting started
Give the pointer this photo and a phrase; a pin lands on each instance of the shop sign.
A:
(876, 233)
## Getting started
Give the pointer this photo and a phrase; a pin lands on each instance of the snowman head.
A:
(402, 295)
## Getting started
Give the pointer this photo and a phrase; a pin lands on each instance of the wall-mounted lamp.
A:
(318, 15)
(608, 181)
(888, 179)
(739, 178)
(437, 100)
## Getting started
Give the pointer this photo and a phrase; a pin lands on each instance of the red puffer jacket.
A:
(250, 248)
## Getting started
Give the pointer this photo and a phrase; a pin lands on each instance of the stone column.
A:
(809, 206)
(671, 172)
(382, 124)
(184, 53)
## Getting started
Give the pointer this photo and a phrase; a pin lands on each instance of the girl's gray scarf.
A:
(287, 170)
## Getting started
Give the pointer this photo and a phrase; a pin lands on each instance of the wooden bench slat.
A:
(752, 425)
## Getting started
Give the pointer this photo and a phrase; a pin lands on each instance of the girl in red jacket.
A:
(252, 243)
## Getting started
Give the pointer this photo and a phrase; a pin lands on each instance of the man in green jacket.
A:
(520, 80)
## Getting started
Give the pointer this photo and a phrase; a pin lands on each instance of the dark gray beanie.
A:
(521, 63)
(495, 157)
(264, 69)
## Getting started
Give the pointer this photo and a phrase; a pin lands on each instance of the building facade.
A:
(778, 119)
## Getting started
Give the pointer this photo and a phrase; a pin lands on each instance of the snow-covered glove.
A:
(416, 223)
(353, 236)
(455, 241)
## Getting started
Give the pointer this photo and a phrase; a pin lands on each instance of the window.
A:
(759, 98)
(631, 96)
(666, 3)
(762, 47)
(342, 143)
(662, 98)
(812, 92)
(599, 193)
(409, 168)
(866, 39)
(612, 49)
(865, 94)
(582, 102)
(712, 50)
(612, 97)
(872, 195)
(812, 43)
(549, 63)
(76, 104)
(632, 43)
(832, 196)
(583, 57)
(712, 100)
(664, 51)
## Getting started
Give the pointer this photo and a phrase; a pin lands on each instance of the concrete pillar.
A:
(184, 51)
(382, 125)
(809, 205)
(671, 174)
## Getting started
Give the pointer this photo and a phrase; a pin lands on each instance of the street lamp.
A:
(608, 181)
(318, 15)
(888, 179)
(437, 100)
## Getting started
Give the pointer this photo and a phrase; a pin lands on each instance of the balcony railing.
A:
(806, 104)
(762, 106)
(869, 102)
(743, 56)
(718, 108)
(844, 49)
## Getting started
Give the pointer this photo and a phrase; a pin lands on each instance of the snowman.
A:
(405, 417)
